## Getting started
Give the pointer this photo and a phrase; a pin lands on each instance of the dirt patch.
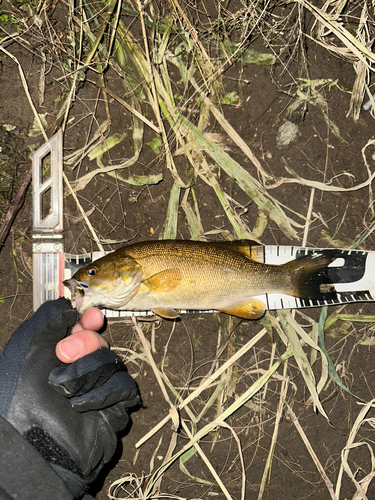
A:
(293, 115)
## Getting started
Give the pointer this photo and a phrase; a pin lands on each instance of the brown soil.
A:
(129, 213)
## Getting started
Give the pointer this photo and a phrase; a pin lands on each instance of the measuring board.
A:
(352, 273)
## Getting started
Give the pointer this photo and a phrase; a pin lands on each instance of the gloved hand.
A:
(69, 413)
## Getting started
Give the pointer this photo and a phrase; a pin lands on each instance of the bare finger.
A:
(92, 319)
(78, 345)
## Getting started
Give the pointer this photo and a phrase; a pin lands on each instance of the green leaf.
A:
(9, 127)
(35, 129)
(249, 56)
(155, 145)
(106, 145)
(230, 98)
(170, 225)
(143, 180)
(331, 367)
(184, 458)
(288, 325)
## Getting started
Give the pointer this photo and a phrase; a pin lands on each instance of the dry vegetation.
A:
(169, 59)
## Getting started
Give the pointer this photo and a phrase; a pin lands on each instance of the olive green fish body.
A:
(166, 276)
(192, 275)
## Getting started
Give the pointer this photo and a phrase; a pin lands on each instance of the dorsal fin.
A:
(251, 249)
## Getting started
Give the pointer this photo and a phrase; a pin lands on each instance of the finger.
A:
(78, 345)
(92, 319)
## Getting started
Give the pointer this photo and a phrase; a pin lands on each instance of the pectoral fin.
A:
(165, 281)
(251, 309)
(166, 312)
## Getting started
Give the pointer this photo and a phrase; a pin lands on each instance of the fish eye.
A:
(92, 271)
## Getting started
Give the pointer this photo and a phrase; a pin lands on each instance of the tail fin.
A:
(310, 277)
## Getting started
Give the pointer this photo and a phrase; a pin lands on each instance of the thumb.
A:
(78, 345)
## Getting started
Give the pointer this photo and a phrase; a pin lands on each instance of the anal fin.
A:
(166, 312)
(250, 309)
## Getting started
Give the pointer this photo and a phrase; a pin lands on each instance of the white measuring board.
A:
(352, 273)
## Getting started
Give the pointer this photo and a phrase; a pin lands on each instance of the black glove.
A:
(69, 413)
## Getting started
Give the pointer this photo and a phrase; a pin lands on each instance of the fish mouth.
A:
(113, 295)
(78, 290)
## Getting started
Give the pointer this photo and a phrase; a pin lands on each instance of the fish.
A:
(167, 276)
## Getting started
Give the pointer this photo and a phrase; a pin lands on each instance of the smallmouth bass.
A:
(166, 276)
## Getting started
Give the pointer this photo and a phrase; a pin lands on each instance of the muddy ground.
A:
(187, 349)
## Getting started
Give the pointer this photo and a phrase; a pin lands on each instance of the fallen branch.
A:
(15, 206)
